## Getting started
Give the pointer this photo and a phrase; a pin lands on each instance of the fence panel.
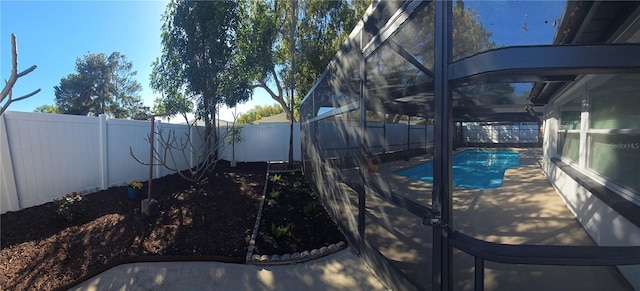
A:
(52, 155)
(123, 135)
(44, 156)
(524, 132)
(265, 142)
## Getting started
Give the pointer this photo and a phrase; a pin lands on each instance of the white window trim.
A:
(583, 87)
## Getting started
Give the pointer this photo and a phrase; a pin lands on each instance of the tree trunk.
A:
(294, 25)
(215, 134)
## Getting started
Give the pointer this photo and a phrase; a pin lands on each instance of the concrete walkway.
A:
(339, 271)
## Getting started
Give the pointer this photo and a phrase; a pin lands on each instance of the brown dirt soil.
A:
(297, 209)
(40, 250)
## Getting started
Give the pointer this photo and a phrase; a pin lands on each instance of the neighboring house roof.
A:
(278, 118)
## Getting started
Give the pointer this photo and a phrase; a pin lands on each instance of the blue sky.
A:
(507, 19)
(52, 34)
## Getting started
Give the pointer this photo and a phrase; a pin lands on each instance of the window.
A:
(613, 136)
(569, 129)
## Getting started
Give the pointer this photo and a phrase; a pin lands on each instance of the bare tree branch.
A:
(7, 90)
(27, 71)
(203, 155)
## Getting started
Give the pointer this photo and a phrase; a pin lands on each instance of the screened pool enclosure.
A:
(420, 81)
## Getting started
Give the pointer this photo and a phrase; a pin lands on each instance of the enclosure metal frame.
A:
(540, 63)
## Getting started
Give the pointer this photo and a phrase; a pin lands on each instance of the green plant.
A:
(274, 194)
(308, 208)
(279, 231)
(297, 184)
(276, 178)
(70, 206)
(135, 184)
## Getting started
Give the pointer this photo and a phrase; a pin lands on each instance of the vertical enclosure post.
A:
(363, 150)
(442, 180)
(479, 274)
(408, 155)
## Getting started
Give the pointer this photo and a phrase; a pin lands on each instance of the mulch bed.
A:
(215, 217)
(296, 209)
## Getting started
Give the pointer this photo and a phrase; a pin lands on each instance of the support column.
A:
(442, 270)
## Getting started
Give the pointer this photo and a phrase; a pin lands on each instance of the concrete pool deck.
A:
(524, 210)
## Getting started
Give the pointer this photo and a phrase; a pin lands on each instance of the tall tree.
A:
(259, 112)
(101, 85)
(198, 39)
(274, 34)
(46, 109)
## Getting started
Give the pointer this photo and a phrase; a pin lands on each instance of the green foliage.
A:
(101, 85)
(172, 104)
(276, 178)
(71, 206)
(289, 44)
(265, 42)
(198, 60)
(279, 231)
(274, 194)
(234, 135)
(308, 208)
(46, 109)
(259, 112)
(297, 184)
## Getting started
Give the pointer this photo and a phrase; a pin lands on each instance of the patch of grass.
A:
(279, 231)
(274, 194)
(308, 208)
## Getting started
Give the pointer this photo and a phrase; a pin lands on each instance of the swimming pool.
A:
(473, 169)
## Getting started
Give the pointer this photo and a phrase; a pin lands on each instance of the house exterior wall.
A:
(605, 226)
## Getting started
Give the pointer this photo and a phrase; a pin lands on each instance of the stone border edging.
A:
(256, 226)
(284, 258)
(298, 256)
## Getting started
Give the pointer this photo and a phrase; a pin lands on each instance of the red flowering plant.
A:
(70, 206)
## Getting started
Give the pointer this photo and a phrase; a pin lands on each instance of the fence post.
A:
(7, 178)
(102, 151)
(156, 146)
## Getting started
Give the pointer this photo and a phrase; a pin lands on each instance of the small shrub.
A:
(276, 178)
(274, 194)
(308, 208)
(297, 184)
(70, 206)
(279, 231)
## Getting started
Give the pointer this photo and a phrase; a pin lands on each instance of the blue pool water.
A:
(473, 169)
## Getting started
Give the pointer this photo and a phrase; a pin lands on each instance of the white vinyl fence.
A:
(44, 156)
(523, 132)
(264, 142)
